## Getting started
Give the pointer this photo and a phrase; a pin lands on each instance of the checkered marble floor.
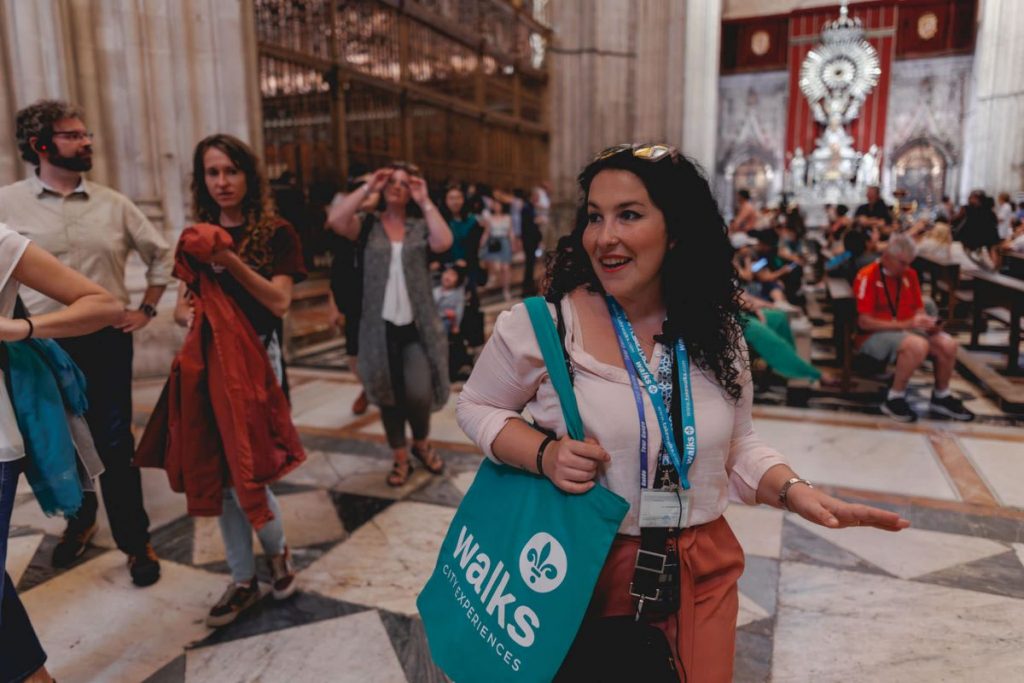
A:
(941, 601)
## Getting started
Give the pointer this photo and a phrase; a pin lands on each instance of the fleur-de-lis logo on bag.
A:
(540, 567)
(543, 563)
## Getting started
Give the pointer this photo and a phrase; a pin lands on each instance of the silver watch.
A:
(784, 491)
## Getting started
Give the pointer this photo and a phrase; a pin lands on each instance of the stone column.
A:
(701, 44)
(994, 140)
(153, 77)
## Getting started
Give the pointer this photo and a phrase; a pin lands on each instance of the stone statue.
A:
(798, 168)
(868, 168)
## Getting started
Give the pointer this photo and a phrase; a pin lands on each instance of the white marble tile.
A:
(841, 626)
(749, 611)
(310, 518)
(162, 505)
(20, 551)
(386, 561)
(367, 476)
(97, 626)
(909, 553)
(463, 480)
(758, 528)
(881, 460)
(324, 404)
(352, 649)
(146, 393)
(316, 471)
(1001, 464)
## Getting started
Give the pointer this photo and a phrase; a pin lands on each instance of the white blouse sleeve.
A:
(504, 380)
(749, 457)
(12, 248)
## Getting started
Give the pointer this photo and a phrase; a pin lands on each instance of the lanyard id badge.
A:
(669, 506)
(664, 508)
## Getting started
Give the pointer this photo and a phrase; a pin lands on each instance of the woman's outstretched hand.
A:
(817, 506)
(573, 465)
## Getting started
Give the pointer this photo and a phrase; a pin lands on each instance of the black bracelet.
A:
(540, 454)
(31, 329)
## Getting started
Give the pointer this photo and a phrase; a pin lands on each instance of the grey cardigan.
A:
(373, 348)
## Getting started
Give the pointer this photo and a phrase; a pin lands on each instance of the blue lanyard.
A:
(636, 368)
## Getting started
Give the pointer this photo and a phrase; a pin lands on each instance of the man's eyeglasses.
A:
(76, 135)
(644, 152)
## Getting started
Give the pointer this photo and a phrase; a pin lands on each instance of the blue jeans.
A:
(237, 533)
(21, 655)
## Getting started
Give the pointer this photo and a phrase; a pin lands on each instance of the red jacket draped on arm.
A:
(222, 419)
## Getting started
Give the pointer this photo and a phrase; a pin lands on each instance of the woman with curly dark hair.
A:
(230, 190)
(646, 294)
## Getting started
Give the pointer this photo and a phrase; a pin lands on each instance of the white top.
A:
(510, 376)
(397, 307)
(12, 247)
(501, 225)
(1004, 214)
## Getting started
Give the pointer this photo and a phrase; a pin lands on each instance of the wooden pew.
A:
(1014, 262)
(844, 324)
(944, 277)
(992, 291)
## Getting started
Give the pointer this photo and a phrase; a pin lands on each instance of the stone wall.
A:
(154, 77)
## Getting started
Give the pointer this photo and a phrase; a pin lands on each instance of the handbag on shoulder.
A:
(518, 565)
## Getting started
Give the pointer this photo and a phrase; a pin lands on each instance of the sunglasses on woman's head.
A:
(644, 152)
(411, 169)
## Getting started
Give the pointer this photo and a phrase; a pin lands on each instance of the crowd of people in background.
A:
(775, 257)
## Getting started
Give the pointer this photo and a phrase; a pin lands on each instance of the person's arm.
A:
(158, 256)
(439, 236)
(342, 216)
(505, 378)
(275, 294)
(89, 306)
(758, 472)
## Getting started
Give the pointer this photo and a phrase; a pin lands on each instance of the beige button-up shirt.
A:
(92, 230)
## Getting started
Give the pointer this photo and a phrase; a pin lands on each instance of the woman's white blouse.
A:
(397, 308)
(12, 248)
(510, 376)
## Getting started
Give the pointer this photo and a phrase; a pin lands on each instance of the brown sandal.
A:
(400, 472)
(429, 458)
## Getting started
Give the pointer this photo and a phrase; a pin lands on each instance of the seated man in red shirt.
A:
(896, 328)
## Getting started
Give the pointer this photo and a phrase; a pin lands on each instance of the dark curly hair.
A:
(699, 283)
(36, 121)
(261, 219)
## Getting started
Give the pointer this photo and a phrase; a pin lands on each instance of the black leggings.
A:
(411, 383)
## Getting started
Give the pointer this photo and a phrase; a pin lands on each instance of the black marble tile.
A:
(175, 541)
(753, 660)
(438, 492)
(800, 545)
(283, 488)
(410, 643)
(172, 672)
(40, 570)
(760, 581)
(1000, 574)
(355, 510)
(270, 615)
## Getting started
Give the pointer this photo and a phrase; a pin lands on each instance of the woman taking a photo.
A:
(89, 308)
(403, 349)
(258, 273)
(651, 310)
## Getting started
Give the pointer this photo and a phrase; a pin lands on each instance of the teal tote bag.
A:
(518, 566)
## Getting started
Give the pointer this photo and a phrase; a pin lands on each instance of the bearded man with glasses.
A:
(92, 229)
